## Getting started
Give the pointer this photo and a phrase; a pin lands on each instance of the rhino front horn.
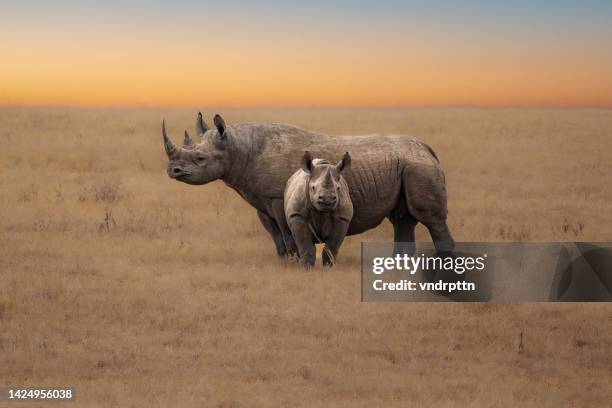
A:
(171, 150)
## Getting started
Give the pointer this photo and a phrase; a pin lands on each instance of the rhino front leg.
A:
(304, 240)
(270, 226)
(278, 211)
(334, 242)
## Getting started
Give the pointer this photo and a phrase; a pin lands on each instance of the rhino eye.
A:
(312, 188)
(200, 158)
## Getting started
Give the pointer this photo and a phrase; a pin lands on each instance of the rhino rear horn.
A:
(171, 149)
(187, 142)
(201, 126)
(220, 124)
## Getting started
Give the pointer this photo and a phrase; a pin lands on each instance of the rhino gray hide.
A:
(395, 176)
(318, 207)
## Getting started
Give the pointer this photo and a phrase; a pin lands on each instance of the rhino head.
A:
(202, 162)
(324, 181)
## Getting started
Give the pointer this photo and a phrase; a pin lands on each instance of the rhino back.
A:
(375, 177)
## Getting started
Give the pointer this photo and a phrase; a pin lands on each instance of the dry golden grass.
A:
(139, 291)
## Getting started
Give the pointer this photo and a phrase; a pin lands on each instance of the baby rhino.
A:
(318, 207)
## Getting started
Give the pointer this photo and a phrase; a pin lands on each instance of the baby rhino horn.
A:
(328, 180)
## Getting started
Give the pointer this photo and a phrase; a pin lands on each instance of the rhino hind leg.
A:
(404, 225)
(441, 236)
(425, 195)
(270, 226)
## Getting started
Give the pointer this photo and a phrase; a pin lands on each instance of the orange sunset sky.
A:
(272, 53)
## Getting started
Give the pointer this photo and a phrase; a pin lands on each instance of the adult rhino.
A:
(395, 176)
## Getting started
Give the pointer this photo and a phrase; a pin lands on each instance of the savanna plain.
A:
(139, 291)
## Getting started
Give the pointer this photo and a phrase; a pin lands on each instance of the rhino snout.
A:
(327, 200)
(176, 171)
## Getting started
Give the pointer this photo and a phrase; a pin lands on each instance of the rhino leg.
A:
(270, 226)
(404, 225)
(278, 211)
(305, 242)
(334, 241)
(403, 235)
(425, 195)
(441, 236)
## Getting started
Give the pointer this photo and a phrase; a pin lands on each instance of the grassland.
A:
(143, 292)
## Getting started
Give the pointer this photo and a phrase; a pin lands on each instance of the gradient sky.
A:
(296, 53)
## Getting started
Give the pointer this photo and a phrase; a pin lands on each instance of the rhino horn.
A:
(201, 126)
(171, 150)
(328, 180)
(187, 142)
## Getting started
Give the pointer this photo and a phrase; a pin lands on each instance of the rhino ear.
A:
(201, 126)
(220, 125)
(345, 163)
(307, 162)
(187, 142)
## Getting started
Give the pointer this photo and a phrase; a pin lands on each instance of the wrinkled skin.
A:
(318, 207)
(395, 176)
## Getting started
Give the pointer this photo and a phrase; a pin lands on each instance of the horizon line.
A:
(314, 107)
